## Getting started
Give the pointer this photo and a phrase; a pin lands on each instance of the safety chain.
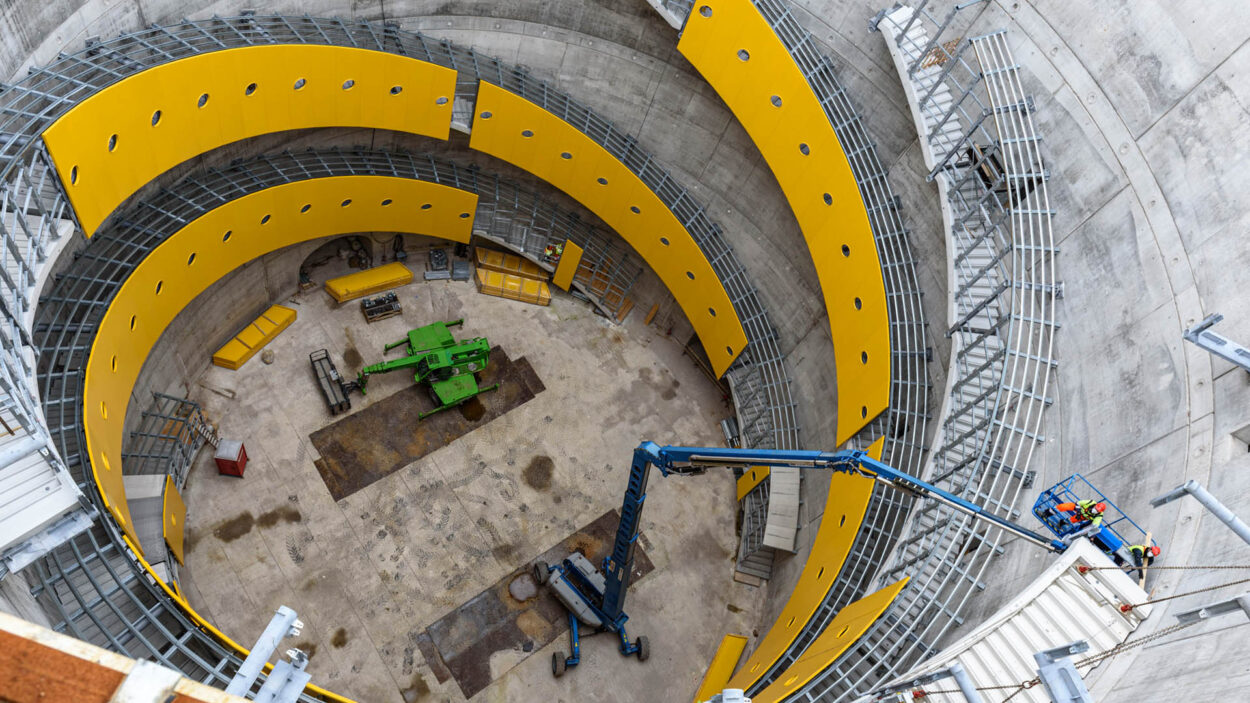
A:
(1125, 646)
(1086, 569)
(1127, 607)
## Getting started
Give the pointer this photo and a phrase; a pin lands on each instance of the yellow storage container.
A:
(374, 280)
(512, 264)
(256, 335)
(503, 285)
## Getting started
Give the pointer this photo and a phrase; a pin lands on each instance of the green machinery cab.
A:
(447, 366)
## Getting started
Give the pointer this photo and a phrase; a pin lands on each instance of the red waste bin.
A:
(231, 457)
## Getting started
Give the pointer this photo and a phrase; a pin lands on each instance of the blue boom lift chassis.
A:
(597, 598)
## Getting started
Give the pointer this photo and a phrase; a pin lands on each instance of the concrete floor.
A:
(369, 573)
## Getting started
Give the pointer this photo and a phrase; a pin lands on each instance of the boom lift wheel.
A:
(644, 648)
(542, 573)
(557, 664)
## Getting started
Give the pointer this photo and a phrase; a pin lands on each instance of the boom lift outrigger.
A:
(597, 598)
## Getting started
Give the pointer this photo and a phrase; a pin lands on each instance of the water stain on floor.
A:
(286, 514)
(235, 527)
(538, 473)
(339, 639)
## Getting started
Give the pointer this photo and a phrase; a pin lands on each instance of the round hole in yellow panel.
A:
(250, 89)
(565, 155)
(863, 412)
(464, 215)
(133, 320)
(226, 237)
(113, 363)
(729, 351)
(112, 142)
(347, 84)
(386, 202)
(843, 630)
(711, 311)
(306, 208)
(664, 241)
(790, 681)
(828, 199)
(104, 410)
(744, 55)
(397, 89)
(804, 149)
(300, 84)
(191, 259)
(104, 461)
(705, 11)
(863, 357)
(173, 519)
(202, 101)
(441, 100)
(775, 100)
(846, 251)
(527, 133)
(690, 275)
(635, 209)
(602, 181)
(790, 622)
(820, 573)
(426, 206)
(755, 668)
(265, 220)
(859, 304)
(73, 176)
(487, 115)
(159, 286)
(156, 117)
(345, 203)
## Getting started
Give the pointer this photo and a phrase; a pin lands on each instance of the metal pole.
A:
(1210, 502)
(964, 681)
(283, 624)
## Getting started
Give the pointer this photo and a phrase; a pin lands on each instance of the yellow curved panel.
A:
(844, 511)
(722, 665)
(516, 130)
(738, 53)
(218, 242)
(846, 628)
(111, 144)
(173, 519)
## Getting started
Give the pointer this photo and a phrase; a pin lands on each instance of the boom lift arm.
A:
(599, 599)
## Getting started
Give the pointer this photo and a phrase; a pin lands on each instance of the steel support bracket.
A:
(1219, 345)
(1063, 683)
(1240, 603)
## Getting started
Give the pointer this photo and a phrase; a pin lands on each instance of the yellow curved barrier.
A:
(844, 511)
(218, 242)
(516, 130)
(738, 53)
(846, 628)
(113, 143)
(721, 666)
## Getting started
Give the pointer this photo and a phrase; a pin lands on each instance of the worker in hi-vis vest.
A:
(1143, 555)
(1086, 511)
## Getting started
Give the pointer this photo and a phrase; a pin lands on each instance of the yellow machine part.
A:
(111, 144)
(741, 56)
(368, 282)
(251, 339)
(508, 263)
(843, 631)
(173, 519)
(503, 285)
(567, 268)
(751, 479)
(723, 663)
(218, 242)
(844, 511)
(516, 130)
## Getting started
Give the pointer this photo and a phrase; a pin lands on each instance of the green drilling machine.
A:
(447, 366)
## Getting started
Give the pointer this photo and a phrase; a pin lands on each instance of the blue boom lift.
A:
(597, 598)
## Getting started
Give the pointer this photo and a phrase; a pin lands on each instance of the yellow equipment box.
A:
(503, 285)
(511, 264)
(260, 332)
(374, 280)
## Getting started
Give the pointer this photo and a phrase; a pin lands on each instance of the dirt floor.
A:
(386, 578)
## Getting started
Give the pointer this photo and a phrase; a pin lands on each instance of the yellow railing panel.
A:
(723, 663)
(750, 479)
(112, 143)
(844, 511)
(843, 631)
(368, 282)
(741, 56)
(569, 260)
(218, 242)
(520, 132)
(173, 519)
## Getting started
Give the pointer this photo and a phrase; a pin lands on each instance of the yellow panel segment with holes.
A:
(251, 339)
(843, 631)
(218, 242)
(516, 130)
(750, 479)
(111, 144)
(741, 56)
(174, 519)
(844, 511)
(723, 663)
(569, 260)
(368, 282)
